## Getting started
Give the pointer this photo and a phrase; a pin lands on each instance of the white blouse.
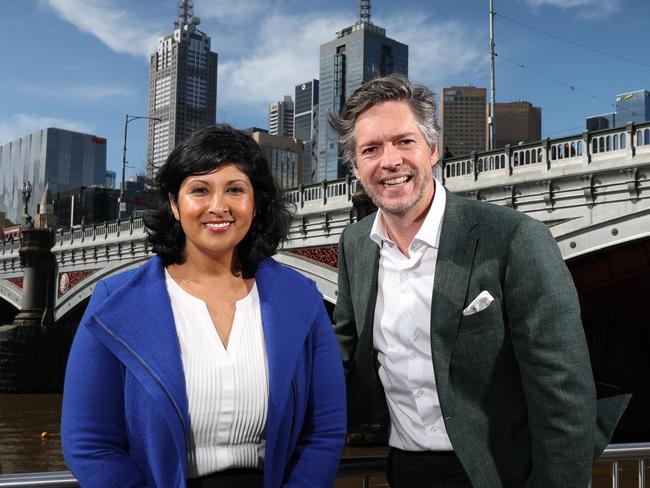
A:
(227, 388)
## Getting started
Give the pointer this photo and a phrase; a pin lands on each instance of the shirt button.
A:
(419, 392)
(433, 428)
(405, 315)
(414, 354)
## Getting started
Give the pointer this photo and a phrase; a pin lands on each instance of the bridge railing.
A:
(586, 148)
(321, 193)
(475, 169)
(103, 231)
(363, 467)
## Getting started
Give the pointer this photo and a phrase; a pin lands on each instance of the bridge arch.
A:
(84, 289)
(10, 294)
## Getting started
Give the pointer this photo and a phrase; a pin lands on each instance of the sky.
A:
(83, 64)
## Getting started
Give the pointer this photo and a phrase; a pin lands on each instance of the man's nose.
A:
(391, 157)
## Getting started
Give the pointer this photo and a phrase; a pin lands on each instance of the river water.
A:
(23, 418)
(23, 448)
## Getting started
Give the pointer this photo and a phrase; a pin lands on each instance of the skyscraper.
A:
(517, 122)
(358, 54)
(284, 155)
(464, 120)
(305, 126)
(59, 158)
(632, 107)
(281, 118)
(182, 87)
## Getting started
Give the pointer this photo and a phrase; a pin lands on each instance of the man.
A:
(458, 318)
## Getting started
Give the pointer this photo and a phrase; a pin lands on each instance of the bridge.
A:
(592, 190)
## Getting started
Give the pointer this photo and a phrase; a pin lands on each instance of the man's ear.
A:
(434, 156)
(355, 169)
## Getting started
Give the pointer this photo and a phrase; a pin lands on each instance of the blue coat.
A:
(125, 414)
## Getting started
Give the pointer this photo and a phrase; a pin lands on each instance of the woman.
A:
(211, 365)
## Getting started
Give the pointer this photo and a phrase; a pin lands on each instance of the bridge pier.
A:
(31, 355)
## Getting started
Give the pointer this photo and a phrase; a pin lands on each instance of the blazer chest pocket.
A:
(484, 320)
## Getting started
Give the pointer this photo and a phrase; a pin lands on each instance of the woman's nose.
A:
(218, 204)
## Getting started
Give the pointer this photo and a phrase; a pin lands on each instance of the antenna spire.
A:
(364, 12)
(184, 13)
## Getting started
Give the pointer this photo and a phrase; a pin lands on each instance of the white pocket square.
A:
(481, 302)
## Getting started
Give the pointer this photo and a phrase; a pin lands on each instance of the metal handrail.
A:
(363, 466)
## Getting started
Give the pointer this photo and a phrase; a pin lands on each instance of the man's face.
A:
(393, 161)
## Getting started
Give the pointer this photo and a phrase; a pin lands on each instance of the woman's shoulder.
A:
(152, 266)
(284, 276)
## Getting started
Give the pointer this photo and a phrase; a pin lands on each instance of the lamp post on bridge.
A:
(128, 119)
(26, 192)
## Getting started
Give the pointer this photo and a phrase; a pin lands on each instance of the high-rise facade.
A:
(281, 118)
(284, 155)
(358, 54)
(305, 127)
(59, 158)
(517, 122)
(603, 121)
(463, 118)
(182, 87)
(632, 107)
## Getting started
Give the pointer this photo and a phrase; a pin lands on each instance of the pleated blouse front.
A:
(227, 388)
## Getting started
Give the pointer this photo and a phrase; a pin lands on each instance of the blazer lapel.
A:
(453, 269)
(366, 271)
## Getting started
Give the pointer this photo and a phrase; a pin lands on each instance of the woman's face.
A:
(215, 211)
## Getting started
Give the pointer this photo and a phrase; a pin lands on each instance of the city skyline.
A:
(82, 65)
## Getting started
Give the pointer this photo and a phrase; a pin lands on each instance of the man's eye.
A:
(406, 142)
(368, 150)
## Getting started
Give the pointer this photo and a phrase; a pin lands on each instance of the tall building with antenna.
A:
(182, 87)
(358, 54)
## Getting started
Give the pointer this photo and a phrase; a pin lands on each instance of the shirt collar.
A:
(429, 232)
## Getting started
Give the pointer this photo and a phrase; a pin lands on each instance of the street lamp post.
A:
(26, 191)
(129, 118)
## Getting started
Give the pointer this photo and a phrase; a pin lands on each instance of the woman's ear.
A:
(174, 208)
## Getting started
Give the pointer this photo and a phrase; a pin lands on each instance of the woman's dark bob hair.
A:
(201, 153)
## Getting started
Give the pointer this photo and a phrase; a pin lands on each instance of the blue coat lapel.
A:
(286, 323)
(136, 323)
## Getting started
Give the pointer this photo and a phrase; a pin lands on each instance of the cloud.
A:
(588, 9)
(120, 30)
(439, 52)
(230, 11)
(21, 125)
(277, 62)
(86, 93)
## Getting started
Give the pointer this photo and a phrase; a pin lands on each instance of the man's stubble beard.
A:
(400, 209)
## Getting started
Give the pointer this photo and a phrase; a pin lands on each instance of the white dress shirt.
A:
(401, 333)
(227, 388)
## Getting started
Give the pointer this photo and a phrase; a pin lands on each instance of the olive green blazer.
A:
(514, 380)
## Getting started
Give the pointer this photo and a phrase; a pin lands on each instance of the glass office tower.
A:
(358, 54)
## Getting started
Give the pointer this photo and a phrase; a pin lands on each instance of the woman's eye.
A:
(236, 189)
(198, 190)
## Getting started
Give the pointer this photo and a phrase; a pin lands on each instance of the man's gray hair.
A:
(392, 88)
